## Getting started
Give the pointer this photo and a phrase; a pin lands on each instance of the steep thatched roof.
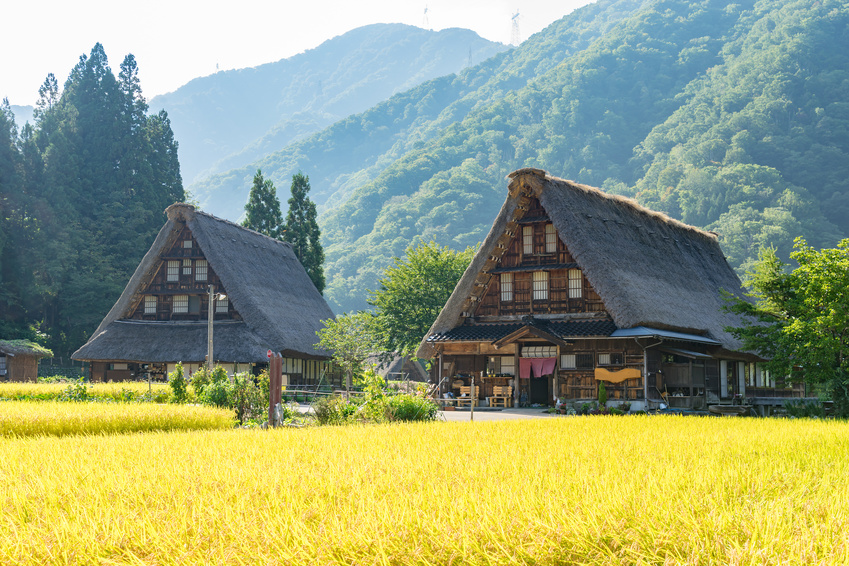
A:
(397, 366)
(266, 284)
(649, 269)
(24, 348)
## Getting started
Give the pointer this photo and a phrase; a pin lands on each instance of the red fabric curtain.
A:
(540, 367)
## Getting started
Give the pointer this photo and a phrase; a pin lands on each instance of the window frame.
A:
(172, 271)
(201, 267)
(506, 284)
(527, 240)
(550, 239)
(575, 283)
(540, 286)
(180, 304)
(150, 304)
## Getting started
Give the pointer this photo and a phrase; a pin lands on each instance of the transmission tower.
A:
(425, 22)
(514, 33)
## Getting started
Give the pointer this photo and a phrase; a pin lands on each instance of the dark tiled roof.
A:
(495, 331)
(519, 268)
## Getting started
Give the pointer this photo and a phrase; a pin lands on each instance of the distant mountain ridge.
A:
(729, 116)
(234, 117)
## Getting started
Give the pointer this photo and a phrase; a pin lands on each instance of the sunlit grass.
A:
(23, 418)
(594, 490)
(113, 391)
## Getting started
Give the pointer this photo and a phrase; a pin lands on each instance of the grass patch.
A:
(118, 392)
(600, 490)
(22, 418)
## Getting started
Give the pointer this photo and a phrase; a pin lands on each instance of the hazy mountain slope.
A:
(353, 151)
(249, 111)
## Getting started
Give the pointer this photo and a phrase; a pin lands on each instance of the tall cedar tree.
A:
(262, 211)
(90, 181)
(302, 231)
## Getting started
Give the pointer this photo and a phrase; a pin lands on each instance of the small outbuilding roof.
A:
(24, 348)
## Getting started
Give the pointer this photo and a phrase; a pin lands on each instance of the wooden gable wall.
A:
(519, 263)
(189, 258)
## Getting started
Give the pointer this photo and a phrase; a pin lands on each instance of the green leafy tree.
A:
(800, 319)
(352, 338)
(412, 292)
(262, 211)
(302, 231)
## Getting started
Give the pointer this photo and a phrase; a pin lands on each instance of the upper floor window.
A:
(187, 267)
(201, 268)
(540, 285)
(222, 305)
(187, 243)
(550, 239)
(568, 361)
(576, 284)
(506, 286)
(173, 271)
(150, 304)
(528, 240)
(180, 304)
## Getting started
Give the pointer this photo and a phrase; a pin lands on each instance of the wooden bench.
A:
(502, 396)
(467, 397)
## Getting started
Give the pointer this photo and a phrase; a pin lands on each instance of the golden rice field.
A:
(111, 390)
(22, 418)
(585, 490)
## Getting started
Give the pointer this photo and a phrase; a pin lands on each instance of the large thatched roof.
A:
(280, 307)
(649, 269)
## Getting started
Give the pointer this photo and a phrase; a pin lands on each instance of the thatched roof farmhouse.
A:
(269, 303)
(602, 289)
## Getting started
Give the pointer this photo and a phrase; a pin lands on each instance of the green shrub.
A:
(334, 411)
(804, 409)
(602, 394)
(178, 384)
(406, 407)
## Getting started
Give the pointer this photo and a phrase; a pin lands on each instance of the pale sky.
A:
(175, 41)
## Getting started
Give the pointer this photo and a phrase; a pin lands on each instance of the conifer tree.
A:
(262, 211)
(302, 230)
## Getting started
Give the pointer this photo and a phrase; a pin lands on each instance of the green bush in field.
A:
(406, 407)
(178, 383)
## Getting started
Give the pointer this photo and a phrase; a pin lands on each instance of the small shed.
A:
(19, 359)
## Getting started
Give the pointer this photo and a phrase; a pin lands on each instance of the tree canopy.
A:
(302, 230)
(413, 291)
(352, 338)
(799, 320)
(262, 211)
(83, 193)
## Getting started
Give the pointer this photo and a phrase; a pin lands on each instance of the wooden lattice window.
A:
(180, 304)
(567, 361)
(550, 239)
(187, 243)
(576, 284)
(508, 365)
(584, 361)
(222, 304)
(506, 287)
(150, 304)
(187, 267)
(201, 270)
(528, 240)
(540, 285)
(173, 273)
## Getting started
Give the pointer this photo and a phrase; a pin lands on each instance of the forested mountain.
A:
(82, 192)
(234, 117)
(730, 116)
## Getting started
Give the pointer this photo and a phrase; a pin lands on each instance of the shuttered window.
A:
(506, 287)
(567, 361)
(173, 271)
(201, 268)
(180, 304)
(150, 304)
(528, 240)
(576, 284)
(550, 239)
(540, 285)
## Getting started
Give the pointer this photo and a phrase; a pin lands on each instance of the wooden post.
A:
(275, 380)
(472, 401)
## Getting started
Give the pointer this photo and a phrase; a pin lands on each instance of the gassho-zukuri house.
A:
(572, 287)
(263, 300)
